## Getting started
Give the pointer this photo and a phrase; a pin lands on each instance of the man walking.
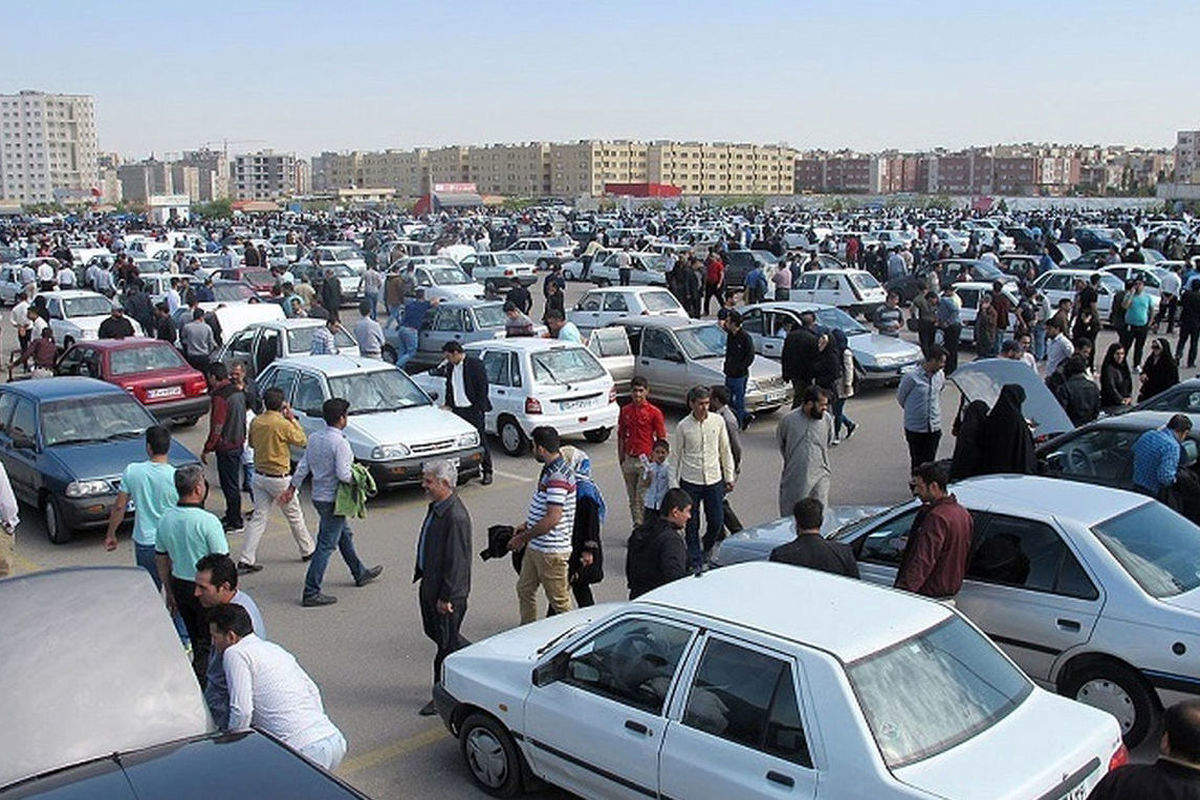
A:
(920, 395)
(227, 438)
(467, 396)
(217, 585)
(656, 552)
(935, 557)
(739, 355)
(702, 465)
(443, 564)
(368, 333)
(639, 425)
(811, 549)
(804, 437)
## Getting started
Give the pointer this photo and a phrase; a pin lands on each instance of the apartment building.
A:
(267, 175)
(212, 168)
(47, 147)
(521, 170)
(185, 180)
(1187, 157)
(141, 179)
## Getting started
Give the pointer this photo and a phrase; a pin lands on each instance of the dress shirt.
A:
(328, 458)
(920, 395)
(216, 692)
(700, 453)
(19, 316)
(369, 335)
(323, 343)
(1058, 350)
(270, 437)
(457, 386)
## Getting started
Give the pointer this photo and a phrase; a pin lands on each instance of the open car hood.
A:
(982, 380)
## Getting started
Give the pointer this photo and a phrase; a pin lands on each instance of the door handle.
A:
(1069, 625)
(637, 727)
(780, 778)
(499, 391)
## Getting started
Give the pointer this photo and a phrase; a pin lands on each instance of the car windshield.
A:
(986, 269)
(703, 341)
(300, 339)
(568, 365)
(836, 318)
(658, 263)
(86, 306)
(448, 276)
(259, 276)
(382, 390)
(660, 301)
(342, 253)
(144, 359)
(232, 292)
(490, 316)
(342, 271)
(1111, 281)
(96, 418)
(864, 280)
(1159, 548)
(935, 690)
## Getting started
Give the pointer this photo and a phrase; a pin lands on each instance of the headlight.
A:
(390, 451)
(469, 439)
(87, 488)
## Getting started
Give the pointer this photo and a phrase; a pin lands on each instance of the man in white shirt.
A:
(368, 333)
(702, 465)
(19, 317)
(45, 276)
(1058, 346)
(65, 277)
(172, 296)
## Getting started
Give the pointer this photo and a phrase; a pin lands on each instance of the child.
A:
(656, 478)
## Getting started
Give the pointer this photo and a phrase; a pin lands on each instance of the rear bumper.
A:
(407, 471)
(172, 410)
(575, 422)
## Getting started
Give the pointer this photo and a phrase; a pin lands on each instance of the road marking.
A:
(402, 747)
(512, 476)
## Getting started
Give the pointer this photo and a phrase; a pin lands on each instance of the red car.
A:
(261, 279)
(151, 370)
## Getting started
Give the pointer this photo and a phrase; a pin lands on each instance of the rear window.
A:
(300, 340)
(1159, 548)
(565, 366)
(660, 301)
(864, 280)
(490, 316)
(144, 359)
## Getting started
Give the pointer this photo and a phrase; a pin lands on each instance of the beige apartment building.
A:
(518, 170)
(47, 147)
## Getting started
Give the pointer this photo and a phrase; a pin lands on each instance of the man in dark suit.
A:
(811, 549)
(467, 396)
(443, 564)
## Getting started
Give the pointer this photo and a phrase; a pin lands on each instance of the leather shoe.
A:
(368, 576)
(486, 480)
(428, 710)
(318, 600)
(307, 557)
(245, 569)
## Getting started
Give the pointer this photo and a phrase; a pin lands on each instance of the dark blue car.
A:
(65, 443)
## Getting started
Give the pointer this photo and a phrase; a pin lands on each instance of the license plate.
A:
(574, 405)
(166, 391)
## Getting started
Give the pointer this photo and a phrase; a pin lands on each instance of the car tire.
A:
(597, 435)
(1119, 690)
(188, 422)
(491, 755)
(389, 354)
(56, 530)
(513, 440)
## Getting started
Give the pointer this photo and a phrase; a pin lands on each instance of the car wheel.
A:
(56, 530)
(512, 438)
(597, 435)
(491, 755)
(389, 354)
(1120, 691)
(188, 422)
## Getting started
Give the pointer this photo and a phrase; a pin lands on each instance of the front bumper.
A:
(445, 704)
(407, 471)
(86, 513)
(875, 375)
(185, 408)
(769, 398)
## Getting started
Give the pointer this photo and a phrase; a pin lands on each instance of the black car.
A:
(738, 264)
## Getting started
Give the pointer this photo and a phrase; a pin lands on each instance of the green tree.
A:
(217, 209)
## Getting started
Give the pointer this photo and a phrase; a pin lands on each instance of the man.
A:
(1156, 456)
(545, 535)
(920, 395)
(115, 326)
(443, 564)
(467, 396)
(217, 585)
(324, 339)
(269, 691)
(639, 425)
(331, 292)
(739, 355)
(896, 267)
(702, 465)
(714, 280)
(197, 340)
(1012, 350)
(19, 319)
(172, 297)
(65, 277)
(272, 435)
(1176, 773)
(328, 459)
(164, 326)
(1137, 320)
(560, 329)
(804, 437)
(516, 322)
(811, 549)
(888, 318)
(925, 305)
(949, 322)
(45, 276)
(43, 352)
(372, 287)
(935, 557)
(624, 267)
(1077, 393)
(184, 534)
(520, 297)
(150, 485)
(656, 553)
(368, 333)
(411, 320)
(1058, 347)
(226, 438)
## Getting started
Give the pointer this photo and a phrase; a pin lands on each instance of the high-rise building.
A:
(1187, 157)
(47, 147)
(266, 175)
(212, 168)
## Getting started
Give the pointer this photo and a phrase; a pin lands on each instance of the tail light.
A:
(139, 392)
(1119, 758)
(612, 394)
(533, 405)
(195, 386)
(508, 273)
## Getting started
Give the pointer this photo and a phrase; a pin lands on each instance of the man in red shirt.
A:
(639, 424)
(935, 557)
(714, 280)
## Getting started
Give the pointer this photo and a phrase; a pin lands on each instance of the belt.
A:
(272, 475)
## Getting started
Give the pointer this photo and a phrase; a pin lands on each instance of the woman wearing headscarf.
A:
(1116, 383)
(1159, 371)
(586, 564)
(968, 441)
(1007, 440)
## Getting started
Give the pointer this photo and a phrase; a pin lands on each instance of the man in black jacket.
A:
(810, 549)
(1078, 394)
(443, 564)
(656, 552)
(1176, 773)
(115, 326)
(739, 355)
(467, 396)
(331, 292)
(796, 360)
(1189, 322)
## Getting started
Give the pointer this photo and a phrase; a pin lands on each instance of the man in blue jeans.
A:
(410, 323)
(702, 465)
(328, 459)
(739, 355)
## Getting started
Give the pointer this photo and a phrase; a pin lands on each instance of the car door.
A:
(498, 365)
(754, 322)
(20, 449)
(829, 290)
(805, 286)
(740, 730)
(616, 304)
(1099, 455)
(240, 347)
(661, 362)
(597, 732)
(1028, 591)
(8, 402)
(969, 311)
(587, 313)
(777, 324)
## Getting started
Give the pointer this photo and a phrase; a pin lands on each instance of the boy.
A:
(656, 478)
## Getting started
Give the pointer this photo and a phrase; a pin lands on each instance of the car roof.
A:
(1086, 503)
(662, 321)
(839, 615)
(62, 386)
(469, 303)
(786, 305)
(625, 289)
(127, 343)
(67, 294)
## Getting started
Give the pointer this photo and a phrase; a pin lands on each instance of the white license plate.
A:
(166, 391)
(575, 405)
(779, 394)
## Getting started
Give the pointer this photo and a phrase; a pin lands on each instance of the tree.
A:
(217, 209)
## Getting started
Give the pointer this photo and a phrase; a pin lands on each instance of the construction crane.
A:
(226, 142)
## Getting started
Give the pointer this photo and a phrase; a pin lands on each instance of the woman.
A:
(1160, 370)
(1007, 440)
(845, 389)
(968, 442)
(586, 564)
(985, 329)
(1087, 326)
(1116, 383)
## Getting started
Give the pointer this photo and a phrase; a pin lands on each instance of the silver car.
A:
(450, 320)
(260, 343)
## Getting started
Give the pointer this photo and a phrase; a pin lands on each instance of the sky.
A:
(307, 76)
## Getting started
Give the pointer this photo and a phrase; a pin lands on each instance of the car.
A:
(982, 379)
(10, 283)
(260, 343)
(260, 279)
(393, 426)
(1094, 238)
(878, 359)
(909, 285)
(1183, 398)
(1059, 284)
(233, 317)
(340, 253)
(1149, 275)
(675, 354)
(65, 442)
(533, 382)
(151, 370)
(458, 320)
(1019, 264)
(598, 307)
(854, 290)
(69, 730)
(544, 252)
(611, 346)
(969, 294)
(498, 271)
(739, 263)
(444, 281)
(157, 284)
(702, 689)
(76, 314)
(1101, 451)
(1093, 591)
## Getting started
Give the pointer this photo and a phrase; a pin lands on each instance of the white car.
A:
(544, 252)
(446, 282)
(1057, 284)
(854, 290)
(646, 269)
(598, 307)
(767, 681)
(498, 271)
(393, 426)
(533, 382)
(1151, 276)
(260, 343)
(343, 254)
(10, 283)
(76, 314)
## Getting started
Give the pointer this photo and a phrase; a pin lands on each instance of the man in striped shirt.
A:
(546, 533)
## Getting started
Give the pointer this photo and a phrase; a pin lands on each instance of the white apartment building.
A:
(267, 175)
(47, 147)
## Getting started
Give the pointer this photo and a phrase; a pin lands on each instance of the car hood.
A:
(107, 459)
(762, 369)
(467, 290)
(409, 426)
(757, 542)
(880, 346)
(982, 380)
(522, 643)
(87, 323)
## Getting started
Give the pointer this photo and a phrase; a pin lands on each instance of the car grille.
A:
(432, 447)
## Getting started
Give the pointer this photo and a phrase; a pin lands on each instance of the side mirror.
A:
(552, 671)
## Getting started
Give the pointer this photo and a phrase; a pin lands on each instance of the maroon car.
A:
(261, 279)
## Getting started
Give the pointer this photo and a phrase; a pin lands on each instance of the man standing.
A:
(739, 355)
(888, 317)
(949, 322)
(443, 564)
(811, 549)
(324, 339)
(328, 459)
(516, 322)
(117, 326)
(197, 341)
(331, 292)
(372, 287)
(800, 348)
(9, 520)
(217, 585)
(925, 307)
(1189, 322)
(467, 396)
(226, 438)
(718, 403)
(546, 533)
(164, 326)
(639, 425)
(1137, 320)
(1176, 773)
(920, 395)
(935, 557)
(804, 437)
(520, 297)
(411, 321)
(624, 267)
(150, 485)
(702, 465)
(656, 554)
(1058, 347)
(1156, 456)
(19, 319)
(272, 435)
(368, 333)
(185, 534)
(714, 280)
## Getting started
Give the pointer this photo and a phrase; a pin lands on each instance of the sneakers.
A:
(368, 576)
(836, 441)
(306, 558)
(318, 600)
(851, 427)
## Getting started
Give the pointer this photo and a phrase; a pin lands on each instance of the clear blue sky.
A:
(338, 75)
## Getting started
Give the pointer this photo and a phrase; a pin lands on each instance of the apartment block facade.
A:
(267, 175)
(48, 147)
(1187, 157)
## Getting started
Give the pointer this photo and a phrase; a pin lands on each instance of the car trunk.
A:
(163, 386)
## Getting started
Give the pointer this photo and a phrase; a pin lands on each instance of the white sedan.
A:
(765, 681)
(599, 307)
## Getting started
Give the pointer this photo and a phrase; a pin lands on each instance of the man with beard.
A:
(804, 437)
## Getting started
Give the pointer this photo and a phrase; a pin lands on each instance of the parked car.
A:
(1058, 284)
(1101, 452)
(498, 271)
(699, 689)
(349, 279)
(970, 293)
(445, 282)
(10, 283)
(152, 371)
(459, 320)
(1018, 264)
(1183, 398)
(611, 346)
(854, 290)
(646, 269)
(954, 270)
(260, 343)
(65, 442)
(351, 256)
(157, 284)
(76, 314)
(878, 358)
(1091, 590)
(233, 317)
(739, 263)
(260, 279)
(393, 427)
(983, 379)
(544, 252)
(534, 381)
(598, 307)
(1150, 275)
